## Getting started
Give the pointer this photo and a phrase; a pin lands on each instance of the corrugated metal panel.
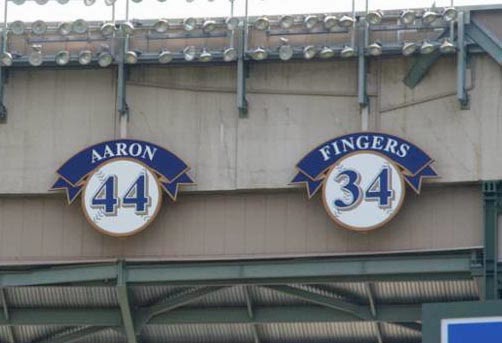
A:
(305, 332)
(267, 297)
(33, 333)
(61, 297)
(105, 336)
(4, 334)
(202, 333)
(397, 333)
(146, 295)
(232, 296)
(425, 291)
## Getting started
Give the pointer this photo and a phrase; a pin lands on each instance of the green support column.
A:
(492, 196)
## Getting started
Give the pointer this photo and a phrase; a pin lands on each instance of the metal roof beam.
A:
(485, 39)
(71, 336)
(10, 331)
(106, 317)
(340, 305)
(249, 305)
(125, 307)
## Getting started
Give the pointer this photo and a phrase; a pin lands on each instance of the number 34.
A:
(379, 189)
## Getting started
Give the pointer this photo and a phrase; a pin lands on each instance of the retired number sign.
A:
(363, 177)
(121, 183)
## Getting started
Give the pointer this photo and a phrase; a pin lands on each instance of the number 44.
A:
(135, 196)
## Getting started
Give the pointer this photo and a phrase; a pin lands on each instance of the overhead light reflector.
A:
(80, 26)
(447, 47)
(286, 21)
(165, 56)
(41, 2)
(64, 28)
(326, 52)
(205, 56)
(39, 27)
(259, 54)
(232, 23)
(6, 59)
(429, 17)
(35, 58)
(85, 57)
(107, 29)
(208, 26)
(105, 58)
(262, 23)
(62, 57)
(330, 21)
(374, 17)
(309, 52)
(229, 54)
(131, 57)
(127, 28)
(161, 26)
(346, 21)
(449, 14)
(17, 27)
(189, 24)
(375, 49)
(189, 53)
(409, 48)
(427, 47)
(348, 51)
(407, 17)
(310, 21)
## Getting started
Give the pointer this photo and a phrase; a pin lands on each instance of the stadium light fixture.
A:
(39, 27)
(18, 2)
(262, 24)
(7, 59)
(374, 17)
(89, 2)
(85, 57)
(232, 23)
(259, 54)
(429, 17)
(161, 26)
(208, 26)
(127, 28)
(62, 2)
(285, 50)
(189, 53)
(131, 57)
(64, 28)
(447, 47)
(310, 21)
(309, 52)
(35, 58)
(375, 49)
(330, 21)
(205, 56)
(346, 21)
(229, 54)
(107, 29)
(427, 47)
(165, 56)
(41, 2)
(189, 24)
(408, 48)
(407, 17)
(286, 21)
(326, 52)
(62, 57)
(17, 27)
(105, 57)
(449, 14)
(80, 26)
(348, 51)
(137, 1)
(109, 2)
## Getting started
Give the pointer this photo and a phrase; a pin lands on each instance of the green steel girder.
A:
(397, 267)
(72, 335)
(111, 317)
(249, 305)
(124, 302)
(419, 69)
(485, 39)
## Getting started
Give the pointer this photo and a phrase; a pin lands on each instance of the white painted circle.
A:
(126, 218)
(368, 211)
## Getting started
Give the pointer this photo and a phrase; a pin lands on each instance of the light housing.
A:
(89, 2)
(41, 2)
(407, 17)
(107, 29)
(35, 58)
(189, 24)
(374, 17)
(127, 28)
(230, 54)
(205, 56)
(408, 48)
(285, 50)
(427, 47)
(286, 21)
(310, 21)
(259, 54)
(326, 52)
(18, 2)
(39, 27)
(105, 58)
(232, 23)
(429, 17)
(346, 21)
(449, 14)
(208, 26)
(189, 53)
(309, 52)
(109, 2)
(375, 49)
(6, 59)
(165, 56)
(62, 57)
(447, 47)
(85, 57)
(348, 51)
(17, 27)
(131, 57)
(80, 26)
(330, 21)
(62, 2)
(64, 28)
(262, 24)
(161, 26)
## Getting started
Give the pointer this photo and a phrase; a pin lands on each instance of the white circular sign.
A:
(121, 197)
(363, 191)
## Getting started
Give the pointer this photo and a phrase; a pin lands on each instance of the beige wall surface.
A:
(246, 225)
(292, 108)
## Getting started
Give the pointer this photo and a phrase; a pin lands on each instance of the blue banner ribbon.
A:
(415, 163)
(172, 170)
